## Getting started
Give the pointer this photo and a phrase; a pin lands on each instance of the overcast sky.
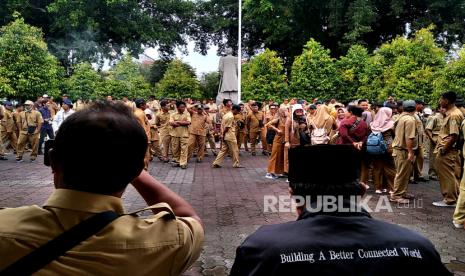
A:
(201, 64)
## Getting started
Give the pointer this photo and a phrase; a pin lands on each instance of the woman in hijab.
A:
(276, 161)
(324, 121)
(384, 169)
(341, 115)
(295, 133)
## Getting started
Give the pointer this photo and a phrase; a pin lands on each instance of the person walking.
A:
(276, 161)
(31, 122)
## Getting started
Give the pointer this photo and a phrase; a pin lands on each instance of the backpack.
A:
(319, 136)
(376, 144)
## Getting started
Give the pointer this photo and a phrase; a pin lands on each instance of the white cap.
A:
(29, 103)
(45, 96)
(428, 111)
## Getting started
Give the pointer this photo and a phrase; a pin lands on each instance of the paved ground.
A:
(230, 202)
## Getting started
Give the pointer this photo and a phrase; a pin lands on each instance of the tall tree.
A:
(209, 83)
(264, 78)
(314, 73)
(27, 69)
(85, 83)
(178, 83)
(285, 25)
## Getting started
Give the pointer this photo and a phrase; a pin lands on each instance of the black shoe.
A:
(183, 167)
(420, 179)
(40, 153)
(215, 166)
(3, 158)
(253, 154)
(199, 161)
(175, 165)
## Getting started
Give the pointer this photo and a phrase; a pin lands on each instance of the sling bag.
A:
(57, 247)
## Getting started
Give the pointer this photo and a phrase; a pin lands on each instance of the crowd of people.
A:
(393, 136)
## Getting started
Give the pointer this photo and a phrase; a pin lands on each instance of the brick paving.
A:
(230, 202)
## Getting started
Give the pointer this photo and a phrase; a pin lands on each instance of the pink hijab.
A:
(382, 121)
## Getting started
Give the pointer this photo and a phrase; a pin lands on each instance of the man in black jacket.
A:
(339, 241)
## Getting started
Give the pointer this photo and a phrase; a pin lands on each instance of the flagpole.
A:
(239, 54)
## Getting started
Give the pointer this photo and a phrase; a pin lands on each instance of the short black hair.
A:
(163, 103)
(101, 164)
(355, 110)
(225, 101)
(236, 107)
(19, 105)
(254, 104)
(361, 101)
(139, 102)
(179, 103)
(450, 96)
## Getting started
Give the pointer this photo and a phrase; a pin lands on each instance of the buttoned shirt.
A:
(450, 126)
(229, 122)
(199, 124)
(406, 128)
(162, 120)
(180, 131)
(31, 118)
(161, 244)
(8, 123)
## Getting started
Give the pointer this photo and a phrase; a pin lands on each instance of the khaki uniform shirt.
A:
(199, 124)
(420, 127)
(154, 105)
(228, 121)
(162, 121)
(450, 125)
(406, 128)
(180, 131)
(240, 119)
(434, 124)
(32, 118)
(16, 120)
(143, 121)
(131, 105)
(8, 123)
(160, 244)
(213, 110)
(253, 121)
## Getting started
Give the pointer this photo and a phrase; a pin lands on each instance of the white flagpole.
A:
(239, 55)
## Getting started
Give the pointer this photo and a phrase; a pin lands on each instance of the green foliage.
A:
(126, 80)
(410, 66)
(27, 69)
(85, 83)
(452, 78)
(264, 78)
(358, 73)
(209, 83)
(285, 25)
(314, 73)
(178, 83)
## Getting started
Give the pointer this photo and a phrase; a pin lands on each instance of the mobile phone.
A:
(48, 145)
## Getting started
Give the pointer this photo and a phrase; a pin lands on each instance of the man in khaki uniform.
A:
(244, 136)
(144, 123)
(447, 155)
(240, 129)
(209, 138)
(459, 213)
(432, 129)
(213, 109)
(131, 105)
(153, 104)
(30, 122)
(162, 121)
(8, 135)
(179, 133)
(167, 242)
(228, 137)
(403, 147)
(198, 131)
(154, 137)
(2, 150)
(19, 108)
(419, 155)
(254, 126)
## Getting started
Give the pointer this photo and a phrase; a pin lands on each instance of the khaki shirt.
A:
(143, 121)
(213, 110)
(406, 128)
(130, 105)
(8, 123)
(153, 105)
(228, 121)
(199, 124)
(16, 119)
(420, 127)
(162, 121)
(180, 131)
(450, 125)
(253, 121)
(240, 119)
(30, 118)
(434, 124)
(160, 244)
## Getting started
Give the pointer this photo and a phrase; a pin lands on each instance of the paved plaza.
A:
(230, 203)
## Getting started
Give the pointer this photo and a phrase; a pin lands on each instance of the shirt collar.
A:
(84, 202)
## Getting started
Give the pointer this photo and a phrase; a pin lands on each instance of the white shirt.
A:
(60, 117)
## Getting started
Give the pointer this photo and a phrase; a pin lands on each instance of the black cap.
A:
(420, 102)
(316, 164)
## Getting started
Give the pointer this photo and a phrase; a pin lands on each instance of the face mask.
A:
(28, 108)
